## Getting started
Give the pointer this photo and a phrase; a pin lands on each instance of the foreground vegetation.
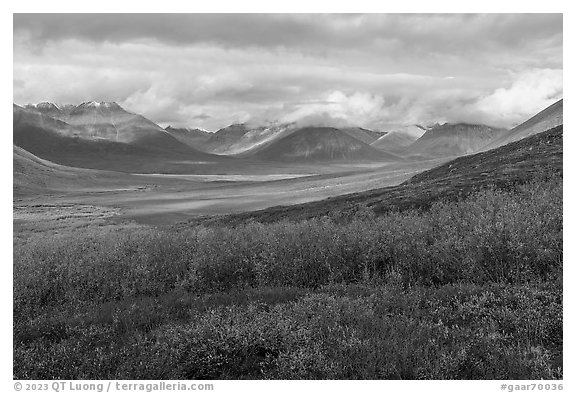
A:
(466, 289)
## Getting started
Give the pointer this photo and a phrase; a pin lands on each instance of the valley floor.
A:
(167, 199)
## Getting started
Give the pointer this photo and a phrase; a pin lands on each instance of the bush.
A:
(467, 289)
(452, 332)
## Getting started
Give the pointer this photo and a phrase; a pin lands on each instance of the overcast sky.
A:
(374, 70)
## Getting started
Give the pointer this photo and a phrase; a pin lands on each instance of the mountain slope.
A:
(362, 134)
(68, 145)
(108, 121)
(542, 121)
(32, 175)
(31, 118)
(515, 163)
(394, 142)
(258, 138)
(192, 137)
(221, 140)
(321, 144)
(449, 140)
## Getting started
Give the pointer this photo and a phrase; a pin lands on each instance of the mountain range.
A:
(103, 135)
(322, 144)
(127, 142)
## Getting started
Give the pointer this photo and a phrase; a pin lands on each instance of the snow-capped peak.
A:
(100, 105)
(47, 105)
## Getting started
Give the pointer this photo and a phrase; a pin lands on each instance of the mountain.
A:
(65, 144)
(321, 144)
(48, 108)
(258, 138)
(537, 156)
(33, 118)
(394, 142)
(362, 134)
(399, 139)
(192, 137)
(243, 140)
(110, 122)
(542, 121)
(450, 140)
(221, 140)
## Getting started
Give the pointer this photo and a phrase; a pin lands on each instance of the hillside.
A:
(451, 140)
(33, 175)
(321, 144)
(515, 163)
(542, 121)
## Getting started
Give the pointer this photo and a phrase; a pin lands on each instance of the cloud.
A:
(339, 109)
(157, 106)
(201, 116)
(421, 33)
(372, 70)
(530, 92)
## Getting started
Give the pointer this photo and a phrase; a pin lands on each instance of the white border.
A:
(259, 6)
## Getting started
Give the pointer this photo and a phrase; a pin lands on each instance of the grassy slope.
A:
(33, 175)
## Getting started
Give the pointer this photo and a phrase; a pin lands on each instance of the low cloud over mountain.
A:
(210, 71)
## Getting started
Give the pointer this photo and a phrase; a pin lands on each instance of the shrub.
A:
(467, 289)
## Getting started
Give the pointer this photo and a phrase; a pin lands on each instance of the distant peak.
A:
(188, 129)
(237, 126)
(44, 106)
(461, 125)
(104, 104)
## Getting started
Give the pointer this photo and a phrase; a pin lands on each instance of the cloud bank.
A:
(368, 70)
